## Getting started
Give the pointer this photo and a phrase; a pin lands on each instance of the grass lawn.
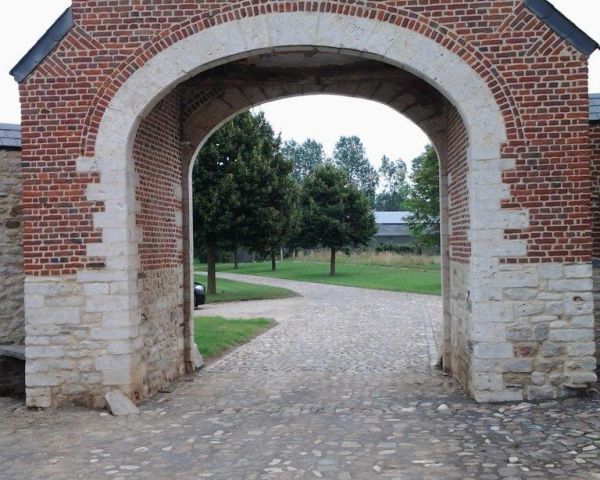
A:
(214, 335)
(364, 276)
(233, 291)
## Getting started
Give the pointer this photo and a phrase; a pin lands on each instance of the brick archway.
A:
(499, 305)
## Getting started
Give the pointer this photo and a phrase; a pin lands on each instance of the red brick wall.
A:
(458, 193)
(157, 156)
(539, 82)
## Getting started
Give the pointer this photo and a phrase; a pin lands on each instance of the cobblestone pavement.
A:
(341, 389)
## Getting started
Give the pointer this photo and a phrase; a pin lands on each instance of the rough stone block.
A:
(493, 350)
(541, 392)
(582, 378)
(485, 396)
(41, 380)
(580, 349)
(574, 285)
(197, 360)
(520, 334)
(117, 377)
(572, 335)
(581, 363)
(119, 405)
(111, 362)
(487, 381)
(578, 271)
(44, 352)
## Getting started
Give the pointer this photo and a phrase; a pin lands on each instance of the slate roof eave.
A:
(10, 136)
(563, 27)
(43, 46)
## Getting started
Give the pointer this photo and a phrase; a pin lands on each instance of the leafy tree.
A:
(350, 155)
(424, 199)
(275, 206)
(395, 187)
(232, 186)
(305, 157)
(334, 213)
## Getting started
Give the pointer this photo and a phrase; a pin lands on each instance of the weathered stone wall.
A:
(459, 246)
(595, 142)
(162, 327)
(536, 340)
(460, 347)
(12, 315)
(68, 344)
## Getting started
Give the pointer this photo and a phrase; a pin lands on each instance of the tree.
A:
(350, 155)
(216, 198)
(334, 213)
(232, 178)
(305, 157)
(275, 208)
(424, 199)
(395, 187)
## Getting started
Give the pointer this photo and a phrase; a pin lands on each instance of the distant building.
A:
(392, 227)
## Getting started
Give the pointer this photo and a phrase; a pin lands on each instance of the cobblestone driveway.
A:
(342, 388)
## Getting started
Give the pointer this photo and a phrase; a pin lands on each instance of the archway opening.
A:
(171, 135)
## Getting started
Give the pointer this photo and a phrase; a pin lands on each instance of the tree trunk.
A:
(332, 262)
(273, 261)
(236, 262)
(281, 252)
(211, 260)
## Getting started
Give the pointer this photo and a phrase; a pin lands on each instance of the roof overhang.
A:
(10, 136)
(562, 26)
(43, 46)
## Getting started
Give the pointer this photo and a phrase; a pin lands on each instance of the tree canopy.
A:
(334, 213)
(350, 155)
(424, 199)
(395, 188)
(241, 190)
(305, 157)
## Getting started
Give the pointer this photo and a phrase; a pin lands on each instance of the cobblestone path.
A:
(341, 389)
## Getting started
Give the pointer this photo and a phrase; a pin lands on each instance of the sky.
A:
(382, 130)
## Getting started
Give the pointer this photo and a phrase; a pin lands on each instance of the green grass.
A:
(234, 291)
(215, 335)
(414, 280)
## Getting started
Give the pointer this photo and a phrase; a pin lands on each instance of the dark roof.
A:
(43, 46)
(564, 27)
(595, 107)
(542, 8)
(10, 135)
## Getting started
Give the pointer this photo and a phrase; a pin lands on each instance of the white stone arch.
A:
(371, 38)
